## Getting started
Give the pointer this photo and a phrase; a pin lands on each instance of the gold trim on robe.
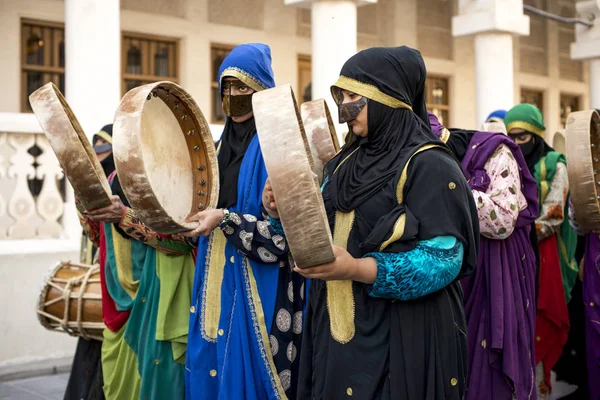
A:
(340, 295)
(211, 289)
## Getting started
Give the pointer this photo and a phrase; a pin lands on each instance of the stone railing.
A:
(32, 186)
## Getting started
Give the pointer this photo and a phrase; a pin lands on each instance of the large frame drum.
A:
(583, 164)
(165, 156)
(71, 146)
(71, 300)
(320, 134)
(290, 165)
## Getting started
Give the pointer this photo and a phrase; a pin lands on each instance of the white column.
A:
(333, 43)
(595, 83)
(587, 46)
(92, 73)
(93, 53)
(493, 23)
(494, 79)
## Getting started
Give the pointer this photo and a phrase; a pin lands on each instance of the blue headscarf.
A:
(497, 115)
(233, 299)
(251, 64)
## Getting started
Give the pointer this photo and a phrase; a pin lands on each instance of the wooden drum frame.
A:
(583, 164)
(71, 146)
(290, 165)
(71, 300)
(165, 156)
(320, 134)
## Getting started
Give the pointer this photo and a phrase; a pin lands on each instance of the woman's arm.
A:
(552, 213)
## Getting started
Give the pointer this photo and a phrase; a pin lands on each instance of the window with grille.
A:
(148, 59)
(568, 104)
(438, 98)
(568, 68)
(42, 57)
(535, 97)
(218, 52)
(304, 78)
(434, 28)
(533, 49)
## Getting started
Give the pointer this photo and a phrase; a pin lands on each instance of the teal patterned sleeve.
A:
(429, 267)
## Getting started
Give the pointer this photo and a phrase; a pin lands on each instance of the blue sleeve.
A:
(429, 267)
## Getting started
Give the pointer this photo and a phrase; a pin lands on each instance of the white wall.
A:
(21, 276)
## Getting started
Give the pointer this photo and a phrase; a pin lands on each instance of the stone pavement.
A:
(50, 387)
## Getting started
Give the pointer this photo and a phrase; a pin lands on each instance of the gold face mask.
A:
(235, 106)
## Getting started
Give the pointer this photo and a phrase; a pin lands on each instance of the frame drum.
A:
(71, 146)
(320, 133)
(290, 166)
(165, 156)
(583, 164)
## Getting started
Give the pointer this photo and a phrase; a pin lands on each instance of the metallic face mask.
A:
(349, 111)
(235, 106)
(102, 148)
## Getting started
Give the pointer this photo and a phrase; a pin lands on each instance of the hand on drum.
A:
(345, 267)
(208, 221)
(111, 214)
(268, 200)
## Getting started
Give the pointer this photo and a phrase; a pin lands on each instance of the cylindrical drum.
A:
(583, 164)
(71, 146)
(165, 156)
(320, 134)
(290, 166)
(71, 300)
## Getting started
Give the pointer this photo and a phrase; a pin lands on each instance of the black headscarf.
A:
(539, 149)
(108, 164)
(393, 133)
(234, 143)
(459, 140)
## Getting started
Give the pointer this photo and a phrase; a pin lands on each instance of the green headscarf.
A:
(527, 117)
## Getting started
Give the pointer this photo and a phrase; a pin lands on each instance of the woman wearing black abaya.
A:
(385, 320)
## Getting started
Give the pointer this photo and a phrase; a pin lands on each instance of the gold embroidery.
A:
(104, 135)
(445, 135)
(526, 126)
(211, 290)
(370, 91)
(543, 182)
(122, 248)
(243, 76)
(340, 296)
(396, 233)
(453, 381)
(452, 186)
(260, 328)
(404, 176)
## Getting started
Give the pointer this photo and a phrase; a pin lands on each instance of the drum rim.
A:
(131, 170)
(91, 185)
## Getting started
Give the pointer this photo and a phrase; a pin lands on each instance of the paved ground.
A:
(51, 387)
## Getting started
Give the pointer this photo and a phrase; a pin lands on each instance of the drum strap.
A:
(340, 295)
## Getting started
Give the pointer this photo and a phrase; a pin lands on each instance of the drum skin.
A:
(165, 156)
(583, 165)
(289, 162)
(320, 134)
(66, 283)
(71, 146)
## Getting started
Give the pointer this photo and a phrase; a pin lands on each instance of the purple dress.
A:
(591, 302)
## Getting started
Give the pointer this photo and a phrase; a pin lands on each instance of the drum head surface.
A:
(288, 159)
(583, 164)
(320, 133)
(71, 146)
(165, 156)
